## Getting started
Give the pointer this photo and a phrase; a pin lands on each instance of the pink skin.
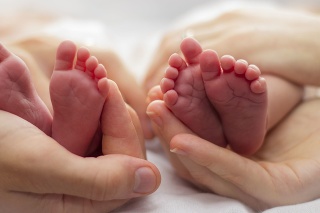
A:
(78, 92)
(239, 95)
(18, 95)
(185, 95)
(224, 101)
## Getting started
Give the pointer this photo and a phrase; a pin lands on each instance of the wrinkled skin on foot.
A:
(39, 53)
(18, 94)
(78, 91)
(38, 175)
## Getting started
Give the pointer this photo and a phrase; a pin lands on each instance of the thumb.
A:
(38, 164)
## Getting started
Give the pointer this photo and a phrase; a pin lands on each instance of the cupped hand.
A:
(38, 175)
(39, 51)
(285, 171)
(279, 41)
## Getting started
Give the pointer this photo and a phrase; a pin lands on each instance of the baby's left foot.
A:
(184, 94)
(18, 95)
(78, 92)
(239, 94)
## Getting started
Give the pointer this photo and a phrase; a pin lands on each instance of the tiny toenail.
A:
(253, 67)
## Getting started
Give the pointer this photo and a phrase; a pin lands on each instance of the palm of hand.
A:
(286, 168)
(283, 172)
(289, 161)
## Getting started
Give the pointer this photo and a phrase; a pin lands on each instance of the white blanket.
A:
(136, 26)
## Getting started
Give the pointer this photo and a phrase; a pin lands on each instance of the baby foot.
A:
(239, 95)
(185, 95)
(78, 92)
(18, 95)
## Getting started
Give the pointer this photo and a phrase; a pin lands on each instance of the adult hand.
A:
(285, 171)
(278, 41)
(38, 175)
(132, 92)
(39, 53)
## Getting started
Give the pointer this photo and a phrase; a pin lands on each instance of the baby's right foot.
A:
(78, 92)
(185, 96)
(18, 95)
(239, 95)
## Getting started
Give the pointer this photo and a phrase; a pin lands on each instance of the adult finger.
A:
(244, 176)
(34, 163)
(119, 132)
(13, 202)
(136, 99)
(154, 94)
(105, 178)
(200, 173)
(160, 115)
(136, 122)
(132, 92)
(169, 127)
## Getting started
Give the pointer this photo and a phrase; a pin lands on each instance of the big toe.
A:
(191, 50)
(65, 55)
(210, 65)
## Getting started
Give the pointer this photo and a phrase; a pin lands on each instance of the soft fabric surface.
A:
(136, 26)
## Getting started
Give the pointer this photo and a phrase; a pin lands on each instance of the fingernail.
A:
(155, 118)
(145, 181)
(178, 151)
